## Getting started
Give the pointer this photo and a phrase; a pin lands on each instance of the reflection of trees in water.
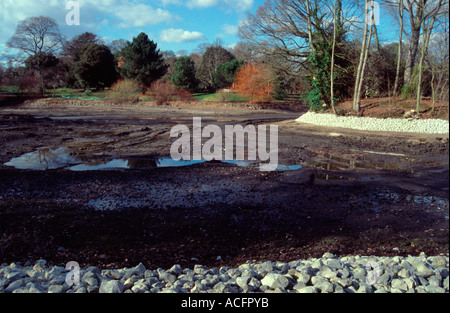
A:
(43, 154)
(141, 163)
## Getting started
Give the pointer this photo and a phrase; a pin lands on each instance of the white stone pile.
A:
(424, 126)
(329, 274)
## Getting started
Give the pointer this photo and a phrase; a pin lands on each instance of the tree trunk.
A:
(308, 21)
(416, 25)
(337, 10)
(426, 39)
(363, 58)
(400, 50)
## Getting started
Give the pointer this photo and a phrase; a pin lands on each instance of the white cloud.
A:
(230, 29)
(201, 3)
(180, 35)
(240, 5)
(140, 15)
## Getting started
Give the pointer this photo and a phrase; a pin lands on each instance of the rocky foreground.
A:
(329, 274)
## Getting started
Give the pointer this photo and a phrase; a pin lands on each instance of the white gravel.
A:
(328, 274)
(428, 126)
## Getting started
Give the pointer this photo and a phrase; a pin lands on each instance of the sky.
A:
(173, 24)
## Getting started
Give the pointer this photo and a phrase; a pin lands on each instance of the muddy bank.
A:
(353, 192)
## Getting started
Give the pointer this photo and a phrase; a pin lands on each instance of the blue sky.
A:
(172, 24)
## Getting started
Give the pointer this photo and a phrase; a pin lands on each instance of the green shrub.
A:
(409, 91)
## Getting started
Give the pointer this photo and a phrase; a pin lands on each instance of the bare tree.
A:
(336, 21)
(283, 30)
(427, 24)
(400, 47)
(418, 11)
(368, 23)
(438, 62)
(36, 35)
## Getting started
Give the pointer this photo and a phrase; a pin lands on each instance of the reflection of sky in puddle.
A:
(46, 158)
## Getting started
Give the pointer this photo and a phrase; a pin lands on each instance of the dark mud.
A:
(356, 192)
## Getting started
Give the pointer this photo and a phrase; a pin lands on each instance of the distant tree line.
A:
(324, 50)
(46, 60)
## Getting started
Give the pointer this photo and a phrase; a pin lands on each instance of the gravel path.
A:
(428, 126)
(329, 274)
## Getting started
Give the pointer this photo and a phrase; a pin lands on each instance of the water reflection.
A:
(44, 159)
(47, 158)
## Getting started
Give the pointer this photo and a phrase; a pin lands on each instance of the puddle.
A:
(48, 159)
(337, 163)
(44, 159)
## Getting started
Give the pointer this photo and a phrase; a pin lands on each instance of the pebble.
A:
(329, 274)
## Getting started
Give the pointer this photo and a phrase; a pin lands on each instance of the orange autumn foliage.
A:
(254, 82)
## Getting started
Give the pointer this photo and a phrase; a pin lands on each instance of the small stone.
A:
(315, 280)
(299, 286)
(91, 281)
(303, 278)
(364, 288)
(243, 281)
(55, 289)
(267, 266)
(404, 273)
(176, 269)
(399, 284)
(254, 283)
(111, 286)
(350, 289)
(274, 280)
(435, 281)
(139, 288)
(434, 289)
(116, 274)
(439, 262)
(130, 282)
(411, 283)
(163, 275)
(424, 269)
(328, 255)
(14, 285)
(328, 273)
(308, 289)
(138, 270)
(317, 264)
(325, 287)
(335, 264)
(36, 288)
(200, 270)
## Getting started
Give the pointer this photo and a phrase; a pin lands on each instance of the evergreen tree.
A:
(142, 61)
(226, 72)
(184, 74)
(96, 67)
